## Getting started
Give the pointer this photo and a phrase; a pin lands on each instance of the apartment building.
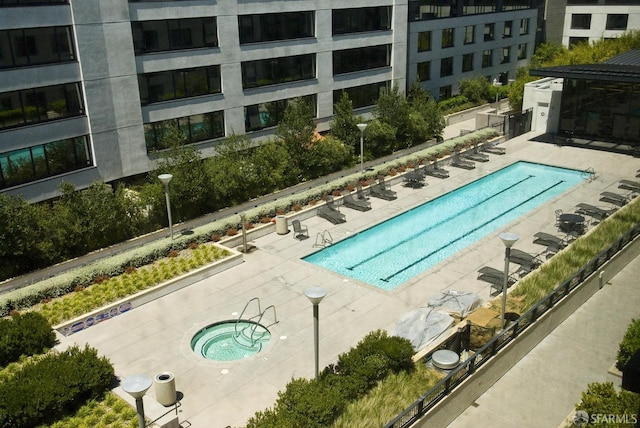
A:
(576, 21)
(88, 87)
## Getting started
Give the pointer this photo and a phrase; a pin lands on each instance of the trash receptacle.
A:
(166, 388)
(282, 227)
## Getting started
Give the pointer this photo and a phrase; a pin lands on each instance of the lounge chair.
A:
(495, 277)
(614, 198)
(414, 178)
(360, 193)
(300, 231)
(527, 262)
(634, 186)
(477, 157)
(357, 204)
(592, 211)
(461, 163)
(493, 149)
(380, 190)
(330, 212)
(552, 243)
(435, 171)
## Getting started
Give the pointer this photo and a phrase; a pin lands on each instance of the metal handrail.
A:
(235, 327)
(255, 326)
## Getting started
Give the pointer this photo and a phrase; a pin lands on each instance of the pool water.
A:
(230, 340)
(392, 252)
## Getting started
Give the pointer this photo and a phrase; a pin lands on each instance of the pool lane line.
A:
(417, 235)
(469, 232)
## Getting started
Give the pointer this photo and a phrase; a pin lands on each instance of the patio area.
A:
(156, 337)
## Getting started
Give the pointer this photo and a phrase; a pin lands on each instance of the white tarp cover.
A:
(422, 326)
(454, 302)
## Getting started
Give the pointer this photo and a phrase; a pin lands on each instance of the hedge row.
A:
(630, 344)
(47, 387)
(27, 334)
(318, 403)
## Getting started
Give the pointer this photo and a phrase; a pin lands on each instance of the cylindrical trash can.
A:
(282, 227)
(165, 388)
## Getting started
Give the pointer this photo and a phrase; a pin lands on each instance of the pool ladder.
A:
(254, 324)
(589, 174)
(323, 239)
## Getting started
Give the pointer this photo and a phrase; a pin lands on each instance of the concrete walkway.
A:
(157, 336)
(543, 388)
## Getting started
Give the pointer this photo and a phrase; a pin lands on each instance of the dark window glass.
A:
(506, 55)
(617, 21)
(506, 33)
(35, 46)
(31, 2)
(175, 84)
(271, 27)
(446, 67)
(448, 35)
(424, 41)
(524, 26)
(489, 32)
(362, 96)
(487, 58)
(195, 128)
(522, 51)
(358, 59)
(467, 62)
(581, 21)
(268, 115)
(576, 40)
(357, 20)
(19, 108)
(174, 34)
(46, 160)
(424, 71)
(278, 70)
(469, 34)
(444, 92)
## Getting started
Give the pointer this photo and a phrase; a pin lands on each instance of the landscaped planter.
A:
(119, 307)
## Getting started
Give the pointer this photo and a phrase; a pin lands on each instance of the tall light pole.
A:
(362, 127)
(497, 85)
(137, 386)
(508, 239)
(315, 296)
(166, 178)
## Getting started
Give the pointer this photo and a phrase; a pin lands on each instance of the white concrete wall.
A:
(544, 97)
(598, 21)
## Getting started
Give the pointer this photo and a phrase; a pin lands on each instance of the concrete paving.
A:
(156, 337)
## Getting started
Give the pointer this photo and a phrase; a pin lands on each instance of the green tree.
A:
(327, 155)
(297, 130)
(477, 89)
(392, 109)
(381, 139)
(344, 124)
(426, 119)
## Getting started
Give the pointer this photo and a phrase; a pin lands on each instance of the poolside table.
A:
(571, 222)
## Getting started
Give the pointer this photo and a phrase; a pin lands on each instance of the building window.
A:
(581, 21)
(467, 62)
(489, 32)
(195, 128)
(269, 114)
(617, 21)
(448, 38)
(358, 59)
(506, 33)
(577, 40)
(424, 41)
(444, 92)
(506, 54)
(524, 26)
(28, 106)
(424, 71)
(176, 84)
(270, 27)
(469, 34)
(362, 96)
(36, 46)
(522, 51)
(361, 19)
(45, 160)
(26, 3)
(446, 67)
(174, 34)
(278, 70)
(487, 58)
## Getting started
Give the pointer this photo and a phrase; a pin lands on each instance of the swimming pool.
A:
(396, 250)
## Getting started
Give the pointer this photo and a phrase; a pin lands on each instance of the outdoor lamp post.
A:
(508, 239)
(362, 127)
(137, 386)
(166, 178)
(497, 84)
(315, 296)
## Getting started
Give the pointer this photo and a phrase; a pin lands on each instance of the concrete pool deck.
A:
(156, 337)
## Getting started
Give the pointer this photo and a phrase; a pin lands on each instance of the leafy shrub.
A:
(603, 399)
(27, 334)
(630, 344)
(45, 389)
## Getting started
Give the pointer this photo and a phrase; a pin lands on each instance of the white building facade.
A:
(589, 21)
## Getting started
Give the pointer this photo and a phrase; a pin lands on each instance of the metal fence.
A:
(456, 376)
